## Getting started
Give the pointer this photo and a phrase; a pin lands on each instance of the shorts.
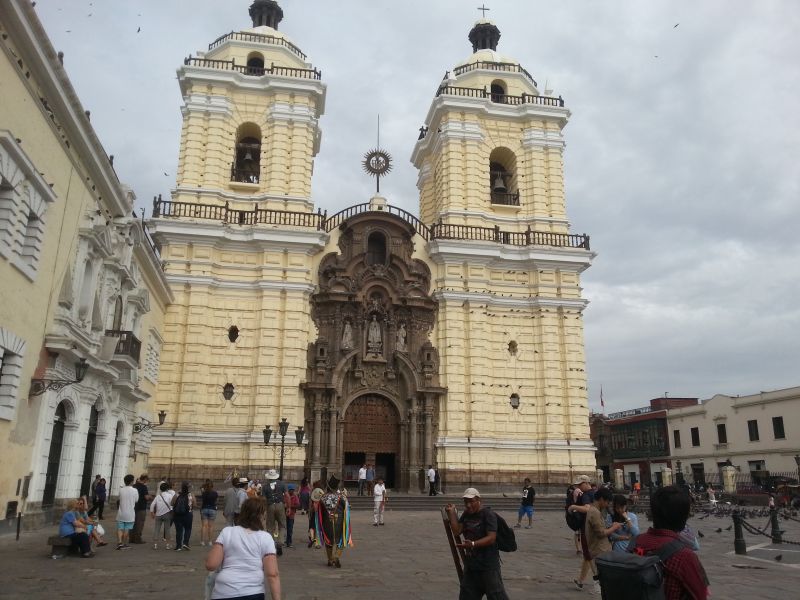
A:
(125, 525)
(525, 510)
(208, 514)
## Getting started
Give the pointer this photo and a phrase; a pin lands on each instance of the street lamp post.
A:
(283, 429)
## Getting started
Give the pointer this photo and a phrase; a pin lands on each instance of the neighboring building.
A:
(79, 281)
(637, 440)
(453, 339)
(600, 432)
(758, 434)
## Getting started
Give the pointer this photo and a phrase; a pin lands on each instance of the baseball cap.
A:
(471, 493)
(581, 479)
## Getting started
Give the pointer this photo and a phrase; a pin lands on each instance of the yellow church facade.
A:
(452, 339)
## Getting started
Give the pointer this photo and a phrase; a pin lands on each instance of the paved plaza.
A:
(406, 559)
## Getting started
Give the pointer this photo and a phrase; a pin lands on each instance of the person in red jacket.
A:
(292, 502)
(684, 576)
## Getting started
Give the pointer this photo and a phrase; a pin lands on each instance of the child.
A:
(291, 503)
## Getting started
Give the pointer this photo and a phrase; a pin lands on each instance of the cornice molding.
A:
(488, 253)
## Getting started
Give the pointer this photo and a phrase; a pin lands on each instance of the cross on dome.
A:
(483, 9)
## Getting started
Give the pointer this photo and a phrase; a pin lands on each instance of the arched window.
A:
(376, 249)
(246, 167)
(499, 93)
(255, 64)
(503, 185)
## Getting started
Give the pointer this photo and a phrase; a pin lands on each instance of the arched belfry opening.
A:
(503, 180)
(372, 385)
(255, 63)
(246, 166)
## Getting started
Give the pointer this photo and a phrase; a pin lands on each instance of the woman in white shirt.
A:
(246, 555)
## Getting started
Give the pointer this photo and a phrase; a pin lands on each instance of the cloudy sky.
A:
(681, 159)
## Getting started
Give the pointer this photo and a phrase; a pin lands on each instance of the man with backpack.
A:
(665, 567)
(595, 534)
(482, 557)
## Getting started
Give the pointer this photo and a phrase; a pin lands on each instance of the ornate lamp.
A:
(40, 386)
(145, 425)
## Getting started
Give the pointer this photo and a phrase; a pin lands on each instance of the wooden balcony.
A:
(128, 344)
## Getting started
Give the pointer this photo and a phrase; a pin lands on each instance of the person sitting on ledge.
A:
(72, 527)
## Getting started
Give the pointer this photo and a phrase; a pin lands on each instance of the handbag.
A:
(99, 529)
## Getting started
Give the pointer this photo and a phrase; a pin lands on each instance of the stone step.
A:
(409, 502)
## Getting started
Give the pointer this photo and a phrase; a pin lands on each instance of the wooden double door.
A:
(372, 436)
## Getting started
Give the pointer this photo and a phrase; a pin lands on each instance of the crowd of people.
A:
(603, 524)
(260, 518)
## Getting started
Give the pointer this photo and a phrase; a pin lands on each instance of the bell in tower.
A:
(266, 12)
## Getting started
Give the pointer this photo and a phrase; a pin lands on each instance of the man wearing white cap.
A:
(482, 557)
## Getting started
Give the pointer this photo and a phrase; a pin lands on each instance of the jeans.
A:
(431, 488)
(164, 521)
(183, 529)
(477, 583)
(362, 484)
(377, 512)
(289, 529)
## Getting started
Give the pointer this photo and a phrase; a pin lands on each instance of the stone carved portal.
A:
(372, 383)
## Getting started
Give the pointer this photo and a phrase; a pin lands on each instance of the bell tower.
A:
(491, 151)
(506, 273)
(251, 105)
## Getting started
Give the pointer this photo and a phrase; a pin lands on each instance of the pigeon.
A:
(779, 557)
(729, 527)
(700, 534)
(719, 530)
(676, 24)
(138, 30)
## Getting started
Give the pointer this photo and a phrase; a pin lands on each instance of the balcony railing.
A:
(483, 93)
(494, 66)
(259, 216)
(229, 65)
(506, 198)
(128, 344)
(258, 38)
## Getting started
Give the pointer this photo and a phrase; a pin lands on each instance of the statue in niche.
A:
(374, 338)
(401, 338)
(347, 336)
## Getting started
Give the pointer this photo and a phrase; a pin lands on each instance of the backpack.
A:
(574, 520)
(181, 505)
(506, 540)
(630, 576)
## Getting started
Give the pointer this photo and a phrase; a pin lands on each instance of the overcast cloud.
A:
(681, 159)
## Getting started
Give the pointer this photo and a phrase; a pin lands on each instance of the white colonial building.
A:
(757, 433)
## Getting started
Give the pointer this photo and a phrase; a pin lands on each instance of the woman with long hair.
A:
(245, 557)
(182, 506)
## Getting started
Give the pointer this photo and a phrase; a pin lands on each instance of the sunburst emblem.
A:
(377, 162)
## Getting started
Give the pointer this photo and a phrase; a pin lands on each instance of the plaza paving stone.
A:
(408, 558)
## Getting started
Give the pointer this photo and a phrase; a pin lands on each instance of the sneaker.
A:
(374, 524)
(126, 547)
(185, 547)
(381, 524)
(177, 549)
(578, 585)
(119, 546)
(527, 526)
(167, 546)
